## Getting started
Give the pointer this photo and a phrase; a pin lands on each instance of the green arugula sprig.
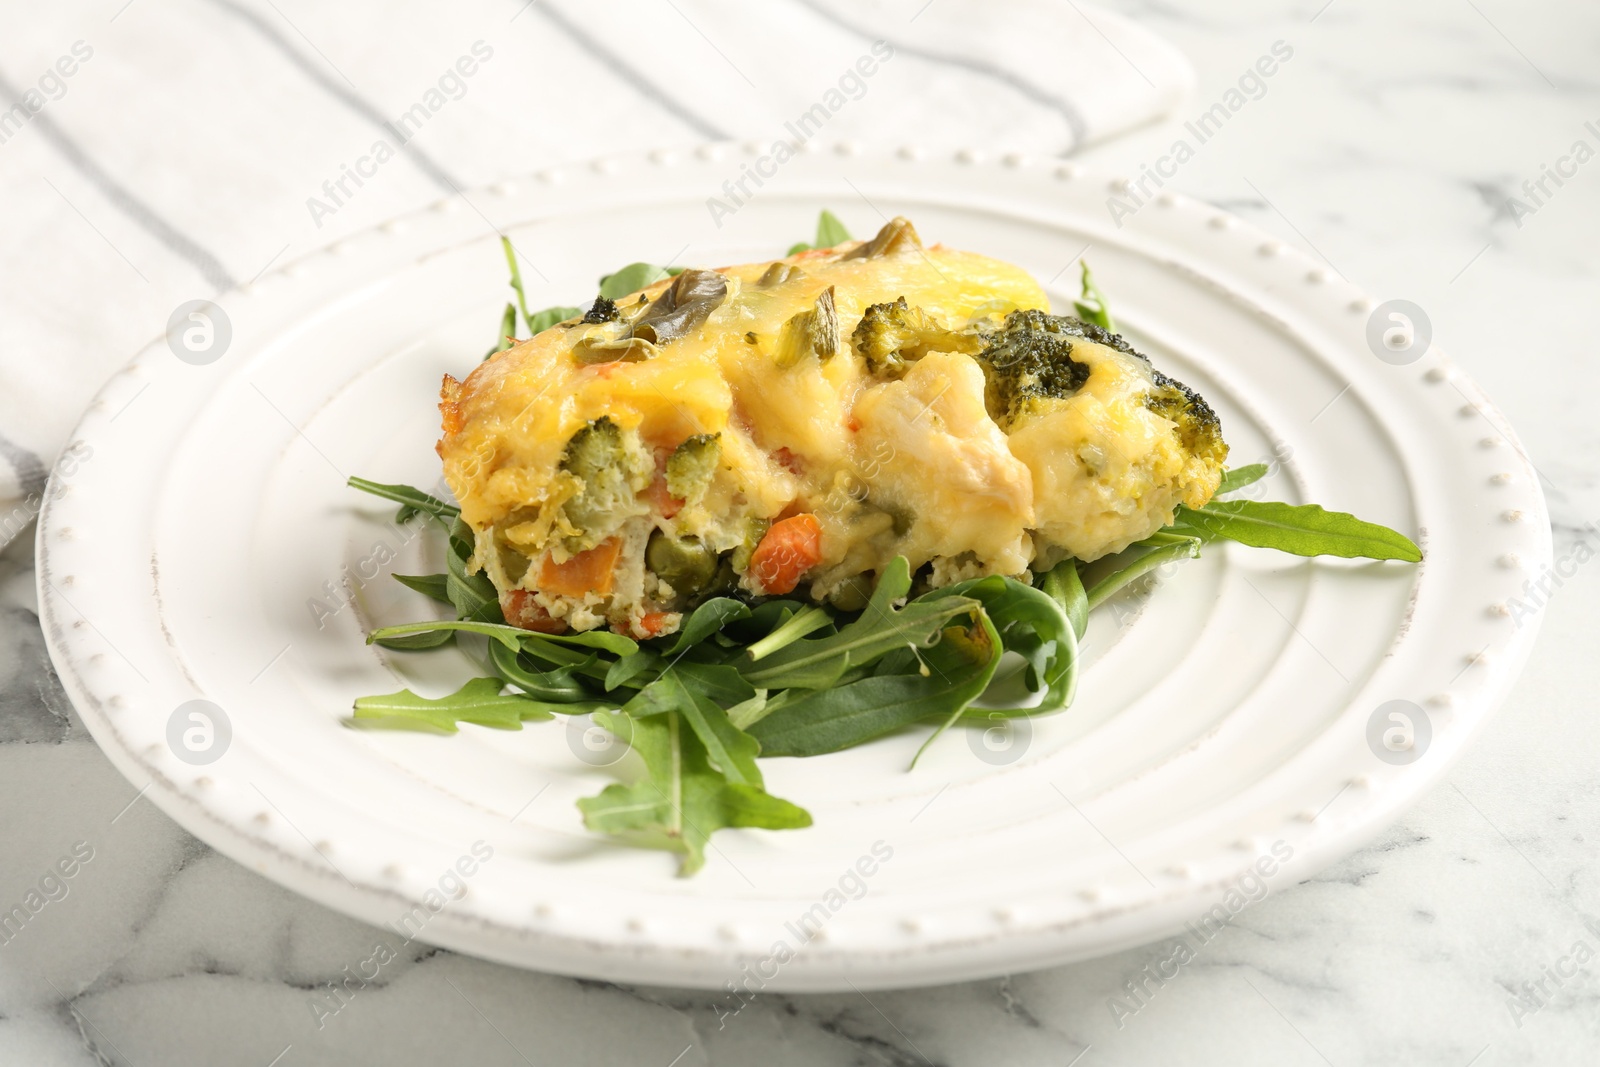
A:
(745, 677)
(830, 232)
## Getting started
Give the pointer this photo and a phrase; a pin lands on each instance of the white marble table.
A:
(1389, 145)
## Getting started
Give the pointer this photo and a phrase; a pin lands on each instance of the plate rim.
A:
(831, 967)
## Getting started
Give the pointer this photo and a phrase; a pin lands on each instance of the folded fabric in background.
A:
(192, 144)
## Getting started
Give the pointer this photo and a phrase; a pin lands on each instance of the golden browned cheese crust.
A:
(648, 438)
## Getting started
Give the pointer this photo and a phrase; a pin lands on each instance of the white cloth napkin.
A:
(183, 151)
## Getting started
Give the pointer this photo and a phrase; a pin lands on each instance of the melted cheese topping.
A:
(913, 466)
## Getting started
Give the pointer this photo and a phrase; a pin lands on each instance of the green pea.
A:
(684, 563)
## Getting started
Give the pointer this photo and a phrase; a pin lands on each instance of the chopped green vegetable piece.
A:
(609, 476)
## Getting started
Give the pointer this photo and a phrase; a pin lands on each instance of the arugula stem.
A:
(410, 497)
(806, 620)
(1102, 590)
(675, 798)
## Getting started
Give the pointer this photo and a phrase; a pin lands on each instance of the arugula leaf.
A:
(682, 800)
(433, 585)
(632, 278)
(479, 701)
(707, 619)
(1063, 584)
(536, 321)
(416, 642)
(472, 593)
(626, 668)
(1239, 477)
(541, 321)
(746, 712)
(720, 682)
(830, 232)
(1092, 306)
(828, 720)
(559, 685)
(1029, 621)
(818, 662)
(1300, 529)
(729, 749)
(979, 650)
(508, 329)
(409, 497)
(514, 637)
(1101, 591)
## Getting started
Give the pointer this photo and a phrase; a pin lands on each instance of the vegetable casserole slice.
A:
(793, 426)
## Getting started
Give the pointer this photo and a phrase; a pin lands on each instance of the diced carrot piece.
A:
(663, 502)
(520, 609)
(587, 572)
(652, 623)
(791, 547)
(789, 461)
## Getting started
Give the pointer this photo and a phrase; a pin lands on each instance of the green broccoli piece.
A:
(602, 310)
(692, 465)
(891, 336)
(1030, 359)
(1198, 426)
(609, 476)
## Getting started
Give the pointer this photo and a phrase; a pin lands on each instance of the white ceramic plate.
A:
(1223, 722)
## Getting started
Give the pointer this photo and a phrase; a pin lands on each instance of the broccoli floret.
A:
(604, 310)
(1198, 426)
(1028, 359)
(608, 476)
(891, 336)
(692, 465)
